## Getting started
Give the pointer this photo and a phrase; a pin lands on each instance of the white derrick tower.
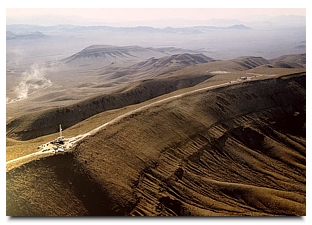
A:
(61, 132)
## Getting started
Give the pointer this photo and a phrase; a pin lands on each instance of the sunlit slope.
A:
(96, 70)
(137, 87)
(45, 122)
(235, 150)
(38, 123)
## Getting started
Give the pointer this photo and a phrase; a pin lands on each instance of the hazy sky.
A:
(131, 16)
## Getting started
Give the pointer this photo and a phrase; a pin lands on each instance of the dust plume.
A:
(31, 82)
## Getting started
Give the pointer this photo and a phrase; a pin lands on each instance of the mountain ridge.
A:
(143, 89)
(220, 152)
(111, 53)
(186, 29)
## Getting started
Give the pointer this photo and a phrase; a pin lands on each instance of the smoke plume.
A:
(31, 82)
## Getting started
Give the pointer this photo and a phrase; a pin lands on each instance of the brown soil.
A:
(38, 122)
(235, 150)
(41, 123)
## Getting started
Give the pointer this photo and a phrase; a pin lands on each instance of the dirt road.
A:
(27, 158)
(24, 159)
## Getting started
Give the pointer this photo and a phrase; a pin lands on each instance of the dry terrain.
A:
(178, 147)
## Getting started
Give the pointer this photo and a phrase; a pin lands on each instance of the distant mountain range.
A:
(29, 31)
(218, 38)
(29, 35)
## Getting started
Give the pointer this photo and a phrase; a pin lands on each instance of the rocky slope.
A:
(235, 150)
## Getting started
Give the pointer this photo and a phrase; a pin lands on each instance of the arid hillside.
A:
(230, 151)
(93, 71)
(102, 55)
(154, 67)
(45, 122)
(298, 60)
(121, 87)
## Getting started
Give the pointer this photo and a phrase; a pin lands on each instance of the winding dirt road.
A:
(27, 158)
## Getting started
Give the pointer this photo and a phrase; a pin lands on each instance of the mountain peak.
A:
(239, 26)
